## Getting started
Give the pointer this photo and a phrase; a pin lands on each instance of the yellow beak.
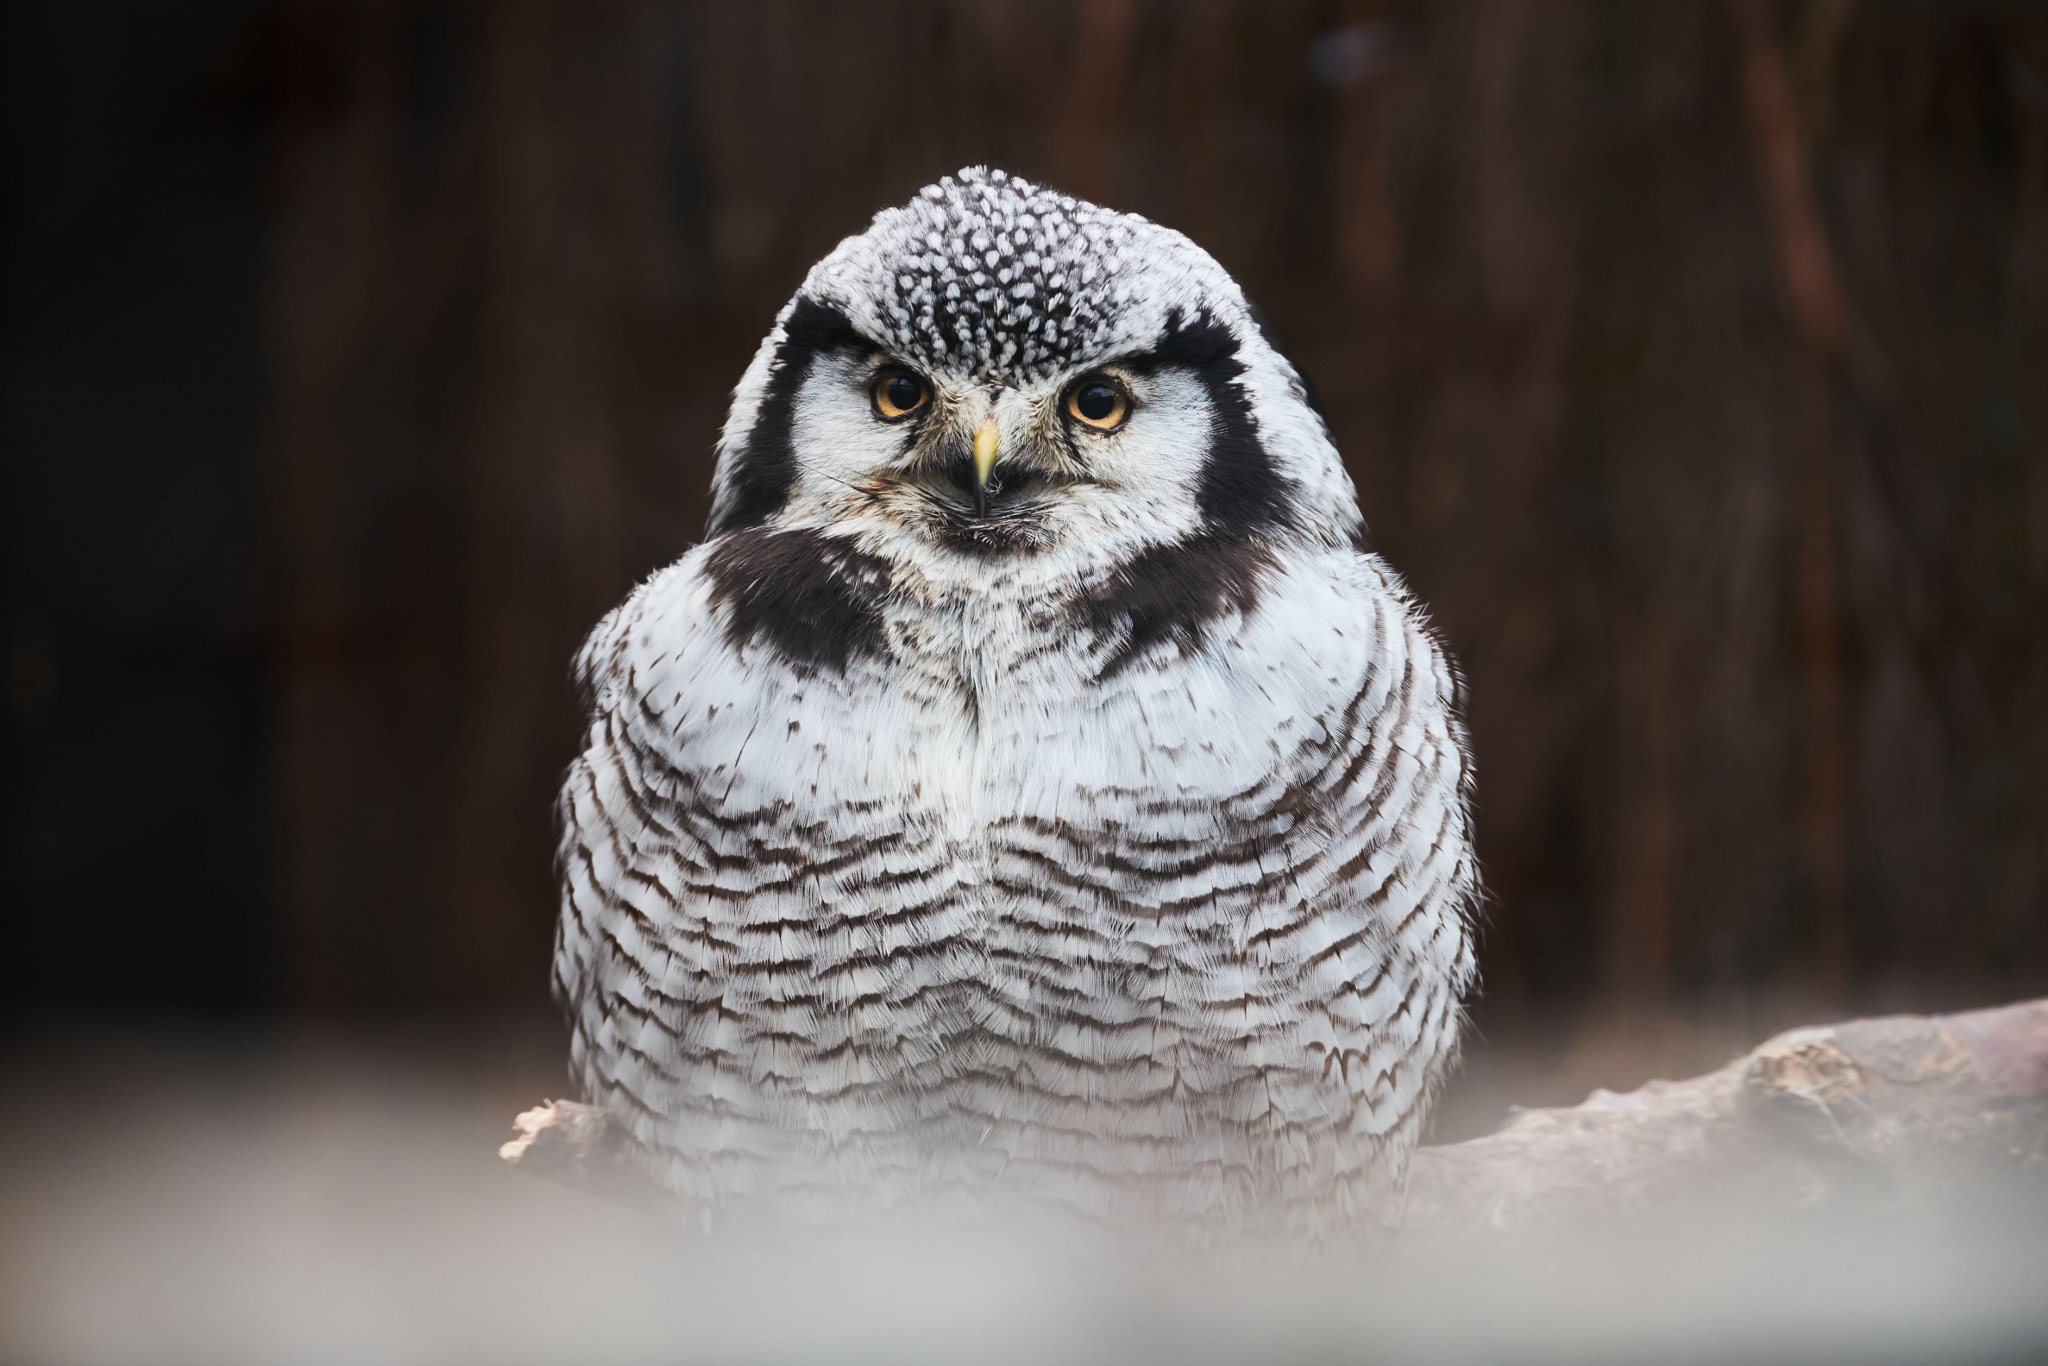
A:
(986, 444)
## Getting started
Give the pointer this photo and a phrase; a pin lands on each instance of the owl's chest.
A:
(981, 721)
(981, 863)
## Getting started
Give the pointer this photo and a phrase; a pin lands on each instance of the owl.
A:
(1033, 787)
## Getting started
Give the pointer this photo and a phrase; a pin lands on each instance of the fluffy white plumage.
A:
(1097, 835)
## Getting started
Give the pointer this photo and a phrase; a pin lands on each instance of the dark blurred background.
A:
(1691, 360)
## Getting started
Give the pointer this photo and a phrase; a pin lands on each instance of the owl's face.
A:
(997, 370)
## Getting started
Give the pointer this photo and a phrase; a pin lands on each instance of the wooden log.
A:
(1815, 1113)
(1812, 1115)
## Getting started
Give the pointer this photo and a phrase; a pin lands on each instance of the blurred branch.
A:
(1854, 1107)
(1814, 1112)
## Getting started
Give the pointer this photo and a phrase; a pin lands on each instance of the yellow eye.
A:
(898, 394)
(1099, 402)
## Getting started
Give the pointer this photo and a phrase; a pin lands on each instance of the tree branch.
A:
(1814, 1113)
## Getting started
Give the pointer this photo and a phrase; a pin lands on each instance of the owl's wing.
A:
(1381, 930)
(728, 816)
(1350, 860)
(627, 968)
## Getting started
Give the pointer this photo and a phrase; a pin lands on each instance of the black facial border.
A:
(766, 469)
(1241, 493)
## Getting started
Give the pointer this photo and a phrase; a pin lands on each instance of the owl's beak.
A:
(987, 443)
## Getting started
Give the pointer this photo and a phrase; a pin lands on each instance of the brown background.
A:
(1691, 360)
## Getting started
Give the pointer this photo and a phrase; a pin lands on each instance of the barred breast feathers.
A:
(830, 847)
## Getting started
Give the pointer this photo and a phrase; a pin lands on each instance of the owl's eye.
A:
(898, 394)
(1100, 402)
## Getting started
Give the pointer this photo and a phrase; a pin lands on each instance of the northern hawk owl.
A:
(1033, 784)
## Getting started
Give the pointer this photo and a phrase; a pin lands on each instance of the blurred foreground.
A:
(336, 1199)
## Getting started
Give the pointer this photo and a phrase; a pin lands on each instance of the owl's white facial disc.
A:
(1000, 305)
(1134, 474)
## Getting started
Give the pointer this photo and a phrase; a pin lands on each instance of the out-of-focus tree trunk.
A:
(1500, 437)
(1647, 828)
(462, 277)
(341, 835)
(1365, 64)
(1806, 272)
(568, 143)
(2027, 74)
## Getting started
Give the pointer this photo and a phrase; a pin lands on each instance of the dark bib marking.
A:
(815, 599)
(1241, 491)
(767, 465)
(1172, 592)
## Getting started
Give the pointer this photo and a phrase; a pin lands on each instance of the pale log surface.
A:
(1847, 1109)
(1851, 1108)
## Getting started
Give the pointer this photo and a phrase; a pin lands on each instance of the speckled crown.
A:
(987, 273)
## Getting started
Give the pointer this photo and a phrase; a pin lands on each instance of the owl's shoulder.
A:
(1312, 620)
(668, 612)
(1355, 595)
(811, 601)
(1337, 651)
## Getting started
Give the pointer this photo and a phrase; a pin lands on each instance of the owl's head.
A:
(997, 369)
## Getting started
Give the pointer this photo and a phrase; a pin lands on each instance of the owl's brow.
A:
(1199, 344)
(817, 328)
